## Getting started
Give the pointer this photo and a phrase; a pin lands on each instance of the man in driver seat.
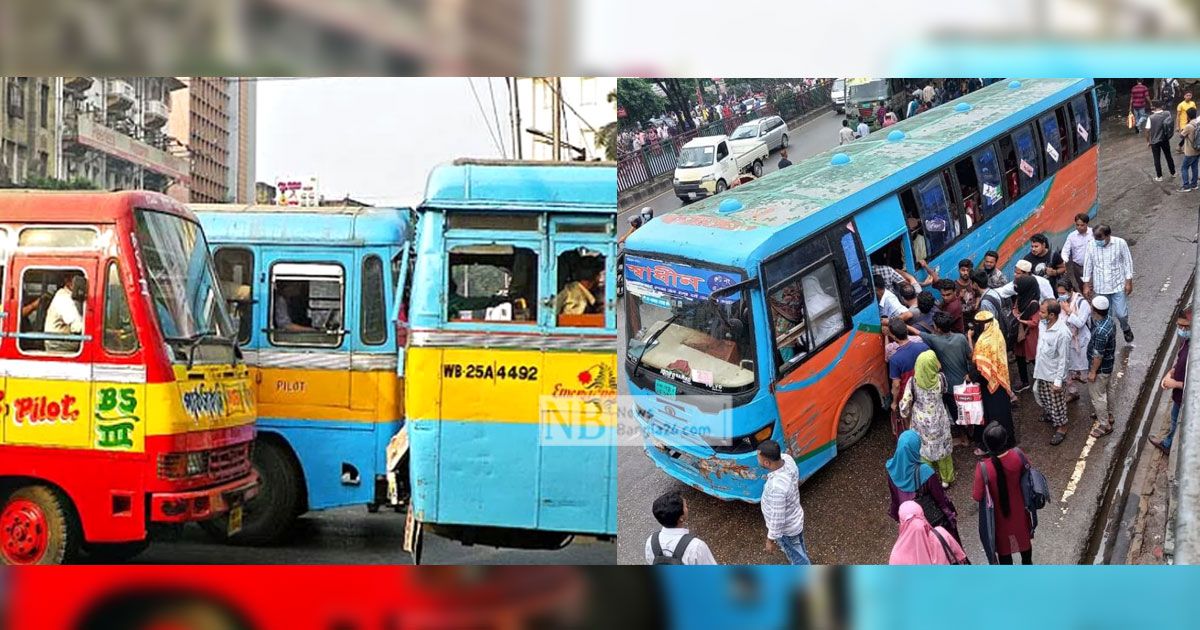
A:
(281, 314)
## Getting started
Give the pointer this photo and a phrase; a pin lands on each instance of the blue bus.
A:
(315, 292)
(510, 369)
(752, 315)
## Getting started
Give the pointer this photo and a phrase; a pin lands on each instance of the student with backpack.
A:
(1009, 492)
(674, 544)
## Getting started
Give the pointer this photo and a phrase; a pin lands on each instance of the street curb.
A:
(1116, 498)
(660, 184)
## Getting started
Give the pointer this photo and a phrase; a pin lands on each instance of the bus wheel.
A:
(270, 514)
(36, 527)
(856, 419)
(113, 553)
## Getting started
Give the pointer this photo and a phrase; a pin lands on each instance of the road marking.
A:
(1078, 474)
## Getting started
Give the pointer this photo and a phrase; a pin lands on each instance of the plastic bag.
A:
(969, 399)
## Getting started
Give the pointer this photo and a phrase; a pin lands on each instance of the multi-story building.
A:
(583, 110)
(215, 117)
(28, 129)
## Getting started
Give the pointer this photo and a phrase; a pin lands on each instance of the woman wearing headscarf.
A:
(1026, 309)
(919, 543)
(908, 477)
(923, 405)
(989, 368)
(1013, 525)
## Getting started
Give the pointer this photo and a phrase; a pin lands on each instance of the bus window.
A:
(1028, 162)
(235, 272)
(1011, 177)
(968, 183)
(806, 312)
(843, 242)
(53, 303)
(940, 228)
(496, 283)
(580, 297)
(1052, 143)
(372, 323)
(120, 337)
(307, 304)
(1081, 123)
(1064, 133)
(991, 190)
(916, 232)
(58, 237)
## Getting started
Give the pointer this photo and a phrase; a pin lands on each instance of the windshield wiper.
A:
(193, 341)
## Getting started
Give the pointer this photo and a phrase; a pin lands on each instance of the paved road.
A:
(846, 503)
(810, 138)
(352, 536)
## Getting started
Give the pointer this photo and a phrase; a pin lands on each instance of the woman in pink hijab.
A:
(921, 544)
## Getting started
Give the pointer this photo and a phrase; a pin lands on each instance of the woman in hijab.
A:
(908, 477)
(1013, 525)
(919, 543)
(922, 404)
(989, 368)
(1027, 311)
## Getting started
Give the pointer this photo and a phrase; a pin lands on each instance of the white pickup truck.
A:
(708, 166)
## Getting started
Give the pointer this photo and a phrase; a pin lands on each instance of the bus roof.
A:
(291, 225)
(783, 207)
(82, 206)
(523, 186)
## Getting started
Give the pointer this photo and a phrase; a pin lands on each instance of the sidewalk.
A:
(1152, 490)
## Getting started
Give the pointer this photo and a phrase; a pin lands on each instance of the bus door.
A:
(305, 358)
(579, 388)
(49, 390)
(402, 264)
(883, 228)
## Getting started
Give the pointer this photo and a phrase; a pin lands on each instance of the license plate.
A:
(662, 388)
(691, 195)
(235, 520)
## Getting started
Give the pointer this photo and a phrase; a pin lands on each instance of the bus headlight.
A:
(741, 444)
(182, 465)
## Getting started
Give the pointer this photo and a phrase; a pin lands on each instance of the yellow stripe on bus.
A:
(510, 386)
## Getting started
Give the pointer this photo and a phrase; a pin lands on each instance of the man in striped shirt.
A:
(1108, 271)
(781, 503)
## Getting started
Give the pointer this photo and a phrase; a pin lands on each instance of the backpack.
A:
(1034, 486)
(676, 556)
(1008, 327)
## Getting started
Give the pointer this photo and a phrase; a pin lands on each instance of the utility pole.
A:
(514, 115)
(557, 118)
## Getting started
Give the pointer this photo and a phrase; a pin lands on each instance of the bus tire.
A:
(114, 553)
(37, 526)
(855, 419)
(721, 186)
(271, 514)
(757, 168)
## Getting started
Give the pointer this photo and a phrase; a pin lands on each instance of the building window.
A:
(44, 106)
(16, 98)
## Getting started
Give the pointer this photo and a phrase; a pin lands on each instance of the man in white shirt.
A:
(1025, 268)
(1075, 249)
(863, 129)
(1108, 271)
(1050, 371)
(889, 305)
(63, 316)
(670, 510)
(845, 134)
(780, 503)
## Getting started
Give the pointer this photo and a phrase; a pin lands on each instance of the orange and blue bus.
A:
(752, 316)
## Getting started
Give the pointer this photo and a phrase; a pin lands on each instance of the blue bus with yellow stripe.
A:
(510, 366)
(754, 315)
(314, 292)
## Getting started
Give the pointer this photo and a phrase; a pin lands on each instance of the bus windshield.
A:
(693, 338)
(692, 157)
(181, 278)
(870, 91)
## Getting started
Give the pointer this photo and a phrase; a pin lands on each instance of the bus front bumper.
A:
(727, 477)
(200, 505)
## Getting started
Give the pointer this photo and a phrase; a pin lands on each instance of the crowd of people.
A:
(1166, 122)
(916, 100)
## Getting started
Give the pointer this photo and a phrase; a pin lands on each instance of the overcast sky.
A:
(374, 139)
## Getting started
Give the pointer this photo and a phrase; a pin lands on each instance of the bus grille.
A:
(229, 462)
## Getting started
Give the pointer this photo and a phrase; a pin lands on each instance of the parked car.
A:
(770, 129)
(838, 94)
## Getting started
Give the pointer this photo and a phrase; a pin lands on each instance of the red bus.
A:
(123, 401)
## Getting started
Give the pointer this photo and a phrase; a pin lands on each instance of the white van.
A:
(707, 166)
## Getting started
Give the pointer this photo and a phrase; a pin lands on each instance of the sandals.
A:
(1057, 438)
(1101, 429)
